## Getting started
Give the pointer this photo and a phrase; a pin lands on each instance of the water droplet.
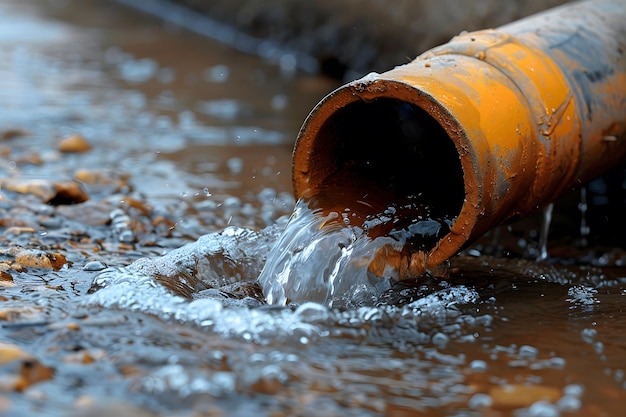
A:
(480, 400)
(94, 266)
(478, 365)
(543, 409)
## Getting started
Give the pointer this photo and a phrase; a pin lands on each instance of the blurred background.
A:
(343, 39)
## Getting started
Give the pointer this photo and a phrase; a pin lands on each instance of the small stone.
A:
(40, 259)
(10, 353)
(13, 133)
(56, 193)
(31, 372)
(68, 192)
(23, 313)
(6, 279)
(73, 326)
(74, 144)
(43, 189)
(517, 396)
(18, 230)
(102, 178)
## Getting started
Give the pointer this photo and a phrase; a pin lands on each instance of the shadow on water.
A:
(128, 271)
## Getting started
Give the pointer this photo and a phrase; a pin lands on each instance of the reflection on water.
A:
(150, 314)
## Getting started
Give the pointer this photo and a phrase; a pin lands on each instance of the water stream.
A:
(349, 254)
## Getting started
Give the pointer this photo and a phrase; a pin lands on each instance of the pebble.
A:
(59, 192)
(68, 192)
(102, 178)
(74, 144)
(31, 372)
(24, 370)
(43, 189)
(6, 279)
(18, 230)
(73, 326)
(10, 353)
(517, 396)
(13, 133)
(40, 259)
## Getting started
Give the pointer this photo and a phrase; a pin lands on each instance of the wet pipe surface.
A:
(124, 139)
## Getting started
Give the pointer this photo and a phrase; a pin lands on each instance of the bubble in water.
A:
(440, 340)
(480, 400)
(312, 313)
(138, 71)
(235, 165)
(478, 365)
(526, 351)
(217, 73)
(569, 403)
(279, 102)
(543, 409)
(226, 109)
(575, 390)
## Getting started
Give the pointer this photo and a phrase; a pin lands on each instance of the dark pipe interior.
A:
(393, 148)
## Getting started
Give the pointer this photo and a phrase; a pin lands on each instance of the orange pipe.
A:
(489, 127)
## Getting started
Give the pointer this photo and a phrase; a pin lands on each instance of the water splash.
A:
(131, 290)
(348, 257)
(318, 259)
(545, 231)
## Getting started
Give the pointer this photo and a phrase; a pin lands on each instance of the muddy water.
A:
(128, 280)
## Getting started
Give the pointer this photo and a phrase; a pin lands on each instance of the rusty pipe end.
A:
(491, 126)
(379, 134)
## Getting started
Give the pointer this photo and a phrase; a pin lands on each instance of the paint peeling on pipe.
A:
(508, 119)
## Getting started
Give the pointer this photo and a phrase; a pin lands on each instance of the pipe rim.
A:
(375, 86)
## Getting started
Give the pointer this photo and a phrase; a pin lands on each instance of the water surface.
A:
(156, 309)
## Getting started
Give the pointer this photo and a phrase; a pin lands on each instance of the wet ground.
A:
(124, 138)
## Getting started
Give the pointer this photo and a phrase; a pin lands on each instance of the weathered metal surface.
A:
(533, 108)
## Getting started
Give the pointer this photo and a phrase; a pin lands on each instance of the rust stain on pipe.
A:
(500, 122)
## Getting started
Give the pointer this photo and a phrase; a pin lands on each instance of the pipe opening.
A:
(369, 156)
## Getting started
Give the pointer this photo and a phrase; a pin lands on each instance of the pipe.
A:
(486, 128)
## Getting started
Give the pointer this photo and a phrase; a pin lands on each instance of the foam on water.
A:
(235, 255)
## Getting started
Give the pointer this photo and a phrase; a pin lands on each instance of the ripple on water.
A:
(420, 353)
(210, 264)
